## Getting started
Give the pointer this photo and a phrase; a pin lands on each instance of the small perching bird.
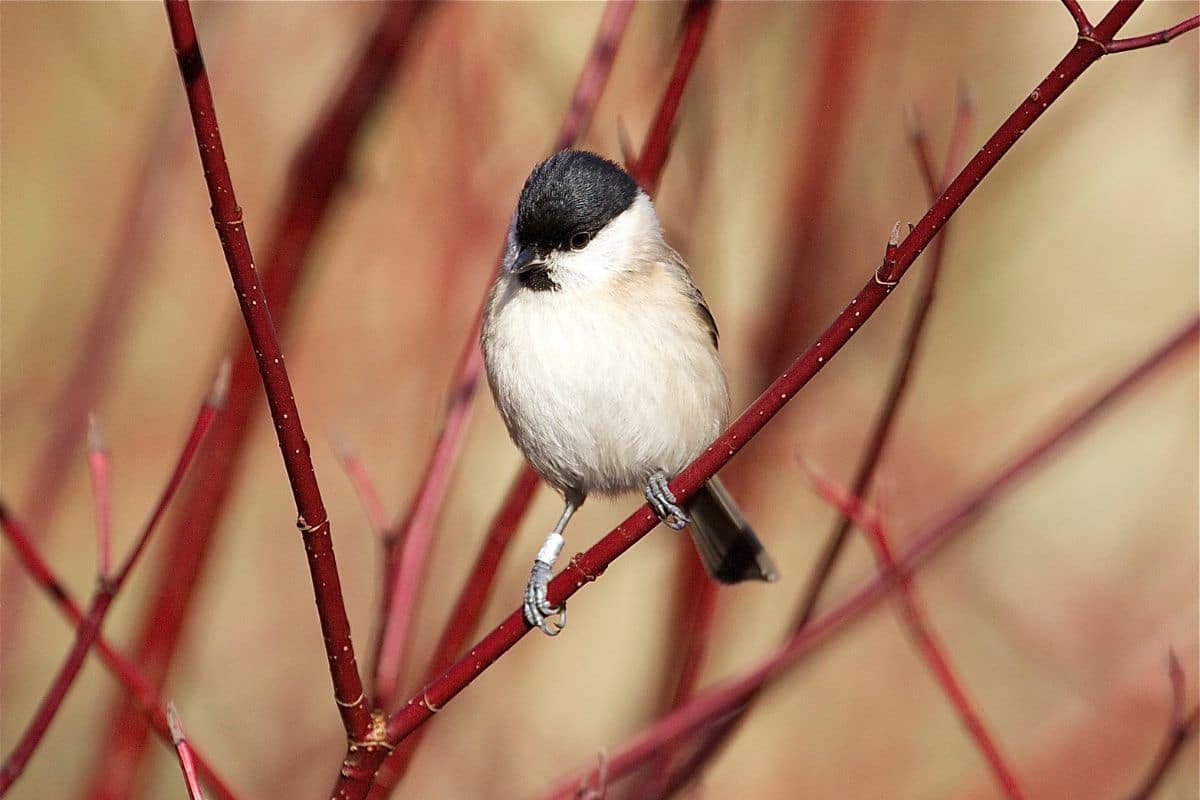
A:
(602, 358)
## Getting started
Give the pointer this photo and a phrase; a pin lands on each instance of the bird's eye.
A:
(580, 240)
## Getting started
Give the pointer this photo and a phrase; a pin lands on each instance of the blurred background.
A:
(1072, 260)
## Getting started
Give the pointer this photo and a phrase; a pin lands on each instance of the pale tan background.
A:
(1075, 256)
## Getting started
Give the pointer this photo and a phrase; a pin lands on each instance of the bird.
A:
(601, 356)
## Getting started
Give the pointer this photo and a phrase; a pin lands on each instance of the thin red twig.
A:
(586, 567)
(915, 618)
(315, 177)
(1152, 39)
(97, 459)
(408, 554)
(150, 705)
(187, 759)
(649, 166)
(464, 618)
(89, 627)
(1181, 728)
(364, 486)
(710, 706)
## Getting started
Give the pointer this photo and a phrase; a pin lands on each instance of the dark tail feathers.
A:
(727, 545)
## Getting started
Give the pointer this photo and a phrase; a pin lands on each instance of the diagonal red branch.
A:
(880, 432)
(851, 507)
(134, 682)
(407, 556)
(709, 707)
(312, 519)
(108, 585)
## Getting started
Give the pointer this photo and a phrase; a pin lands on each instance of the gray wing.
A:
(677, 264)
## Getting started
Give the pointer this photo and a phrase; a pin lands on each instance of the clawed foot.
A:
(662, 500)
(538, 611)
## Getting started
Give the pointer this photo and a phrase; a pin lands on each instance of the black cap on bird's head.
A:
(567, 200)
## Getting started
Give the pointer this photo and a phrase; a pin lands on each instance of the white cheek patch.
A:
(615, 249)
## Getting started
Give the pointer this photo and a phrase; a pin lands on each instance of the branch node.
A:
(305, 528)
(361, 697)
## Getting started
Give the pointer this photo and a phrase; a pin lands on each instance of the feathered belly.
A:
(600, 398)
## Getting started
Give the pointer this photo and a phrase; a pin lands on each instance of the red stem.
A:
(851, 507)
(314, 180)
(88, 629)
(649, 166)
(187, 760)
(880, 433)
(711, 705)
(466, 614)
(364, 487)
(139, 688)
(312, 518)
(1152, 39)
(828, 112)
(408, 556)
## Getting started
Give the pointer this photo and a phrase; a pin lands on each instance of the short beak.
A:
(526, 260)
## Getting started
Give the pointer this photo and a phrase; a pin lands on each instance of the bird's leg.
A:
(662, 500)
(538, 611)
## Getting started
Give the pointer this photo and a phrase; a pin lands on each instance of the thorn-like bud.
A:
(894, 239)
(95, 434)
(220, 385)
(911, 227)
(173, 724)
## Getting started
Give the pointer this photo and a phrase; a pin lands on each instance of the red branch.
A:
(1181, 727)
(187, 759)
(914, 616)
(648, 169)
(131, 678)
(880, 433)
(407, 558)
(586, 567)
(315, 177)
(312, 519)
(705, 709)
(88, 629)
